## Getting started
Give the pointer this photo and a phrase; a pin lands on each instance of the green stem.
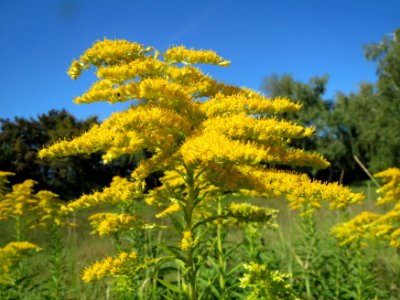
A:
(308, 227)
(57, 268)
(190, 265)
(221, 256)
(18, 229)
(359, 282)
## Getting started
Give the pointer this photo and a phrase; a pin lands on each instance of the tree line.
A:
(365, 124)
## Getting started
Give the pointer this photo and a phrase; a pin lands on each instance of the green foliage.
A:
(266, 284)
(315, 109)
(387, 55)
(363, 124)
(21, 138)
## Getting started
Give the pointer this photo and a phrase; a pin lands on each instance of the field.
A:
(210, 191)
(319, 267)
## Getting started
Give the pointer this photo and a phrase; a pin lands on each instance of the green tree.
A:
(20, 138)
(316, 112)
(308, 94)
(364, 121)
(387, 55)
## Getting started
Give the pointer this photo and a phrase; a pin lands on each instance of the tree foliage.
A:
(20, 140)
(365, 123)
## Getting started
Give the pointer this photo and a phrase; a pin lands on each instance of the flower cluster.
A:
(187, 241)
(18, 201)
(10, 255)
(120, 190)
(4, 182)
(265, 283)
(39, 209)
(108, 223)
(371, 226)
(182, 55)
(204, 137)
(391, 190)
(246, 212)
(120, 265)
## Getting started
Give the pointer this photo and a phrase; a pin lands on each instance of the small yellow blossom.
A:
(265, 130)
(18, 201)
(75, 69)
(4, 182)
(246, 212)
(173, 208)
(356, 229)
(123, 264)
(371, 226)
(109, 223)
(266, 284)
(391, 189)
(181, 54)
(11, 254)
(254, 104)
(48, 209)
(120, 190)
(187, 240)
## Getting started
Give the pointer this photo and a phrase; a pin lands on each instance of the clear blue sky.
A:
(40, 38)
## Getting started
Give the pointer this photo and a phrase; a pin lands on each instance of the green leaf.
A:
(173, 250)
(170, 286)
(177, 224)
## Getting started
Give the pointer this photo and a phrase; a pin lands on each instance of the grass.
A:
(282, 249)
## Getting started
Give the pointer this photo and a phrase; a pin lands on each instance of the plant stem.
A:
(18, 228)
(190, 265)
(221, 256)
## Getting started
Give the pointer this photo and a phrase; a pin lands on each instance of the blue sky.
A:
(40, 38)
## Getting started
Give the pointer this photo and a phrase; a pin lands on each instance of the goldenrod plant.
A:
(28, 211)
(49, 215)
(4, 182)
(10, 255)
(266, 284)
(372, 228)
(369, 226)
(208, 139)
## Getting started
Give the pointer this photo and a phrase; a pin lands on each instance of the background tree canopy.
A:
(69, 177)
(365, 124)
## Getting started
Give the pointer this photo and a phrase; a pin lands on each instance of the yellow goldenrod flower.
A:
(372, 226)
(120, 190)
(18, 201)
(137, 68)
(257, 104)
(246, 212)
(180, 54)
(4, 182)
(391, 189)
(109, 223)
(123, 264)
(356, 229)
(47, 209)
(109, 52)
(265, 130)
(173, 208)
(266, 284)
(208, 138)
(187, 240)
(11, 254)
(75, 69)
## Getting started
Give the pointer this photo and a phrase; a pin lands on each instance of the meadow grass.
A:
(281, 248)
